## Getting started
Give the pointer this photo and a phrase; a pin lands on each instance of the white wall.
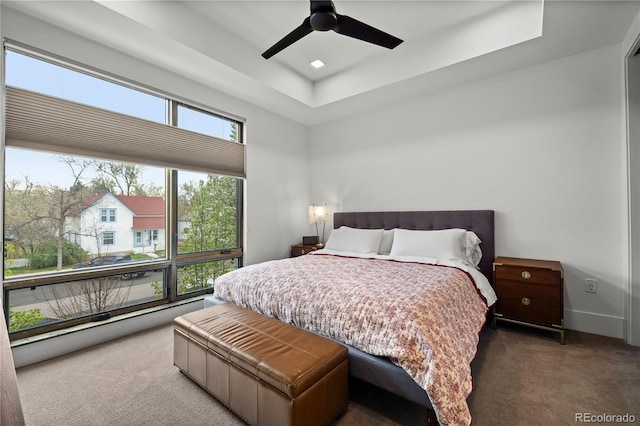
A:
(277, 192)
(542, 146)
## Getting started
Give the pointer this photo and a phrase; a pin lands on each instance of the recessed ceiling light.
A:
(317, 64)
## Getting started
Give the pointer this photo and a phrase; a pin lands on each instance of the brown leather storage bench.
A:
(266, 371)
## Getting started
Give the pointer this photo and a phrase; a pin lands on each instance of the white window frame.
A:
(103, 236)
(108, 215)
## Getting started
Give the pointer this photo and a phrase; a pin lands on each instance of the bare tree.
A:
(78, 167)
(126, 177)
(86, 297)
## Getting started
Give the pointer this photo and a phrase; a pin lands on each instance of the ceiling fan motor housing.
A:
(323, 21)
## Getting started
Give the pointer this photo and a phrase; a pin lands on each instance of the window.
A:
(208, 206)
(75, 238)
(209, 209)
(108, 238)
(107, 215)
(62, 82)
(194, 119)
(51, 198)
(106, 179)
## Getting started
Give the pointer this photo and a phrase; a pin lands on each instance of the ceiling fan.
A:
(324, 18)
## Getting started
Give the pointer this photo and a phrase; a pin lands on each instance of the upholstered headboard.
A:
(478, 221)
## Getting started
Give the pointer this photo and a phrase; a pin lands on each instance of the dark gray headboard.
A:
(478, 221)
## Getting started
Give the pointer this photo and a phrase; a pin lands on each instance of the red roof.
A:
(139, 205)
(148, 223)
(143, 206)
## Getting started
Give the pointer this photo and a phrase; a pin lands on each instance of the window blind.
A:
(43, 122)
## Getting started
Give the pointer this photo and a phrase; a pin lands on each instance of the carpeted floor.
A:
(521, 377)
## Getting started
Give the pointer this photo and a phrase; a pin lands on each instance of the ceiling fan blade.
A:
(356, 29)
(295, 35)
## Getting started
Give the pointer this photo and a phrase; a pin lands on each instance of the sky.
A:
(49, 169)
(28, 73)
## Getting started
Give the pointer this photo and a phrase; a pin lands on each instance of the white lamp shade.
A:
(319, 213)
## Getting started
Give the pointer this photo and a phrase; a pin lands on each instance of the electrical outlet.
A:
(591, 286)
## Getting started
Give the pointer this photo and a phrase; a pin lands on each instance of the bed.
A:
(405, 358)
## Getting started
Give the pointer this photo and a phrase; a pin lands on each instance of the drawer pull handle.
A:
(526, 275)
(526, 301)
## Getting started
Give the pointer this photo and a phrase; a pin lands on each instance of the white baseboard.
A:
(589, 322)
(29, 352)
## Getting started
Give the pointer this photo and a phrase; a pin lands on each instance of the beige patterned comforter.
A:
(425, 318)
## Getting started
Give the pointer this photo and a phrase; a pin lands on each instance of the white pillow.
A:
(473, 253)
(441, 244)
(386, 242)
(354, 240)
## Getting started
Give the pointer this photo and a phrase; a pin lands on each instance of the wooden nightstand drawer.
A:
(527, 274)
(537, 303)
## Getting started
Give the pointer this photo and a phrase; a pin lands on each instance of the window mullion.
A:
(172, 212)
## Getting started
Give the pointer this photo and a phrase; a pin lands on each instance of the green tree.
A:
(212, 213)
(211, 206)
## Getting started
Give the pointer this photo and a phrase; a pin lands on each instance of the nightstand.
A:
(300, 249)
(530, 292)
